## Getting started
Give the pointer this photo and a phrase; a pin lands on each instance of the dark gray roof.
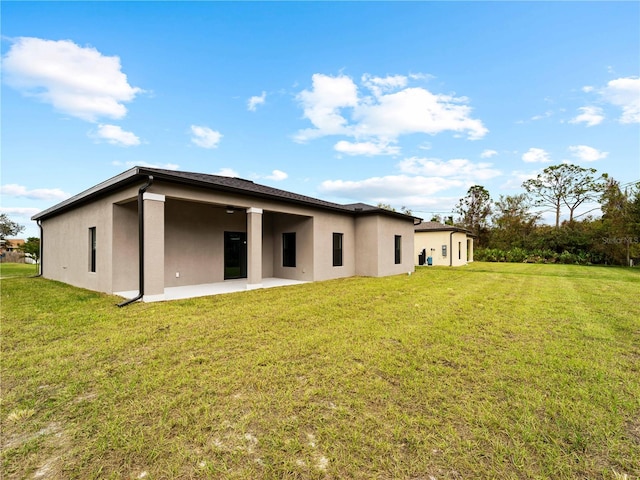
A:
(439, 227)
(214, 182)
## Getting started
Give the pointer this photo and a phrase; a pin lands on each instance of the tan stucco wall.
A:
(125, 246)
(325, 225)
(185, 229)
(375, 246)
(66, 243)
(456, 251)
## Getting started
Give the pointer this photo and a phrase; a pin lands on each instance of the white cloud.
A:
(587, 154)
(277, 175)
(131, 164)
(322, 104)
(13, 190)
(78, 81)
(379, 85)
(517, 178)
(460, 168)
(624, 93)
(116, 136)
(335, 107)
(536, 155)
(380, 189)
(205, 137)
(227, 172)
(488, 153)
(366, 148)
(590, 115)
(26, 212)
(416, 110)
(254, 101)
(587, 89)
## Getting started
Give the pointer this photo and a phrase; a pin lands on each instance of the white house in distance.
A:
(445, 245)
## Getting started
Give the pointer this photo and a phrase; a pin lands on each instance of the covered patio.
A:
(208, 289)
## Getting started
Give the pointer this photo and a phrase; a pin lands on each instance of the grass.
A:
(10, 270)
(485, 371)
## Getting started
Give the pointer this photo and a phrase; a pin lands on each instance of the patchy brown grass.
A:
(487, 371)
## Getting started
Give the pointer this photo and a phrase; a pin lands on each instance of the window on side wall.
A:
(289, 249)
(398, 249)
(92, 249)
(337, 249)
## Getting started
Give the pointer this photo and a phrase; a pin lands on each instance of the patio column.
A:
(254, 248)
(153, 247)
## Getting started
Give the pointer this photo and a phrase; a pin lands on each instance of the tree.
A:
(474, 210)
(9, 228)
(31, 248)
(513, 221)
(387, 206)
(620, 220)
(564, 184)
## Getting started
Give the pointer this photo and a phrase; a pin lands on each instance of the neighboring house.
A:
(201, 229)
(11, 244)
(446, 245)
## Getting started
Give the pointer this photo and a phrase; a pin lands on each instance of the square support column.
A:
(153, 247)
(254, 248)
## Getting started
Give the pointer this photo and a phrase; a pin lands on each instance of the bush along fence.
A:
(520, 255)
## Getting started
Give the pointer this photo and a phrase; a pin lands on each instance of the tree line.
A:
(9, 228)
(510, 228)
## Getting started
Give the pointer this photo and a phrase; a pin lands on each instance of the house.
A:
(11, 244)
(445, 245)
(149, 230)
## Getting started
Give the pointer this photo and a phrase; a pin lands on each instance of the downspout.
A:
(39, 222)
(451, 248)
(140, 244)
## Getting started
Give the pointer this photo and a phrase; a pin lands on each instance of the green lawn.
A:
(9, 270)
(487, 371)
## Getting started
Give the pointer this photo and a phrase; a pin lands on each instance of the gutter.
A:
(140, 244)
(39, 222)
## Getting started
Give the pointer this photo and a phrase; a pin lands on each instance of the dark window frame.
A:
(397, 249)
(338, 242)
(93, 248)
(289, 249)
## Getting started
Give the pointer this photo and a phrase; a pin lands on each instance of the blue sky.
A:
(406, 103)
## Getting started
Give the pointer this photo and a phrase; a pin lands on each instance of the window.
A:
(337, 249)
(289, 249)
(92, 249)
(459, 250)
(398, 249)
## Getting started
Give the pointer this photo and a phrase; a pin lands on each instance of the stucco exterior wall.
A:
(456, 247)
(325, 225)
(125, 247)
(303, 228)
(184, 239)
(375, 246)
(388, 228)
(66, 249)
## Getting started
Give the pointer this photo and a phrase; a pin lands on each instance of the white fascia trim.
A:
(153, 196)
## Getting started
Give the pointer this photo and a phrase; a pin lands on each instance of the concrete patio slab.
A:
(207, 289)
